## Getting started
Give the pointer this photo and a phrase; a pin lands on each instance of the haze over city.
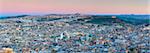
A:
(12, 7)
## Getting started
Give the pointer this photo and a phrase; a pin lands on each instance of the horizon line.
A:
(42, 14)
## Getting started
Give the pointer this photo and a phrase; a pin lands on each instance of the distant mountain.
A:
(13, 16)
(135, 19)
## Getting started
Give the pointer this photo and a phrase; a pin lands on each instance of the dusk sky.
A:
(74, 6)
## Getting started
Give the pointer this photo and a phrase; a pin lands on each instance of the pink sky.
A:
(74, 6)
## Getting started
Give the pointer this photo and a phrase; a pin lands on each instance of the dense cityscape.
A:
(73, 33)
